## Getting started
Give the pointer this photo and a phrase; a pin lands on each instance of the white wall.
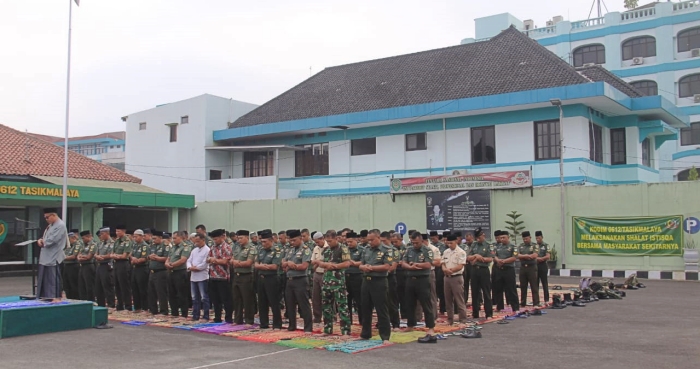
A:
(258, 188)
(515, 142)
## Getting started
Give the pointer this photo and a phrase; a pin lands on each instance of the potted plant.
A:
(552, 262)
(515, 226)
(690, 255)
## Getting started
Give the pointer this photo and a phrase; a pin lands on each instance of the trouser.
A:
(542, 271)
(104, 285)
(178, 290)
(453, 289)
(268, 299)
(200, 299)
(440, 290)
(418, 291)
(392, 301)
(122, 284)
(243, 298)
(282, 286)
(332, 296)
(374, 298)
(158, 292)
(353, 283)
(139, 287)
(528, 275)
(48, 281)
(86, 282)
(297, 295)
(503, 281)
(433, 299)
(481, 288)
(189, 295)
(220, 295)
(70, 280)
(401, 290)
(316, 297)
(467, 276)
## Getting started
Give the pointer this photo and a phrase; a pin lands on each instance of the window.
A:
(595, 142)
(547, 143)
(111, 147)
(483, 145)
(185, 119)
(639, 47)
(689, 85)
(173, 132)
(691, 135)
(416, 142)
(119, 146)
(214, 175)
(646, 152)
(589, 54)
(142, 126)
(618, 147)
(312, 161)
(648, 88)
(258, 164)
(689, 39)
(364, 146)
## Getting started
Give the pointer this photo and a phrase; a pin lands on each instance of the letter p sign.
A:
(691, 225)
(400, 228)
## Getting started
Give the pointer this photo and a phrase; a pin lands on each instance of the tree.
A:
(514, 225)
(693, 174)
(631, 4)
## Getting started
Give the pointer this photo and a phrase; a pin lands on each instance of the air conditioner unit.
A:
(637, 60)
(694, 53)
(457, 172)
(550, 23)
(696, 98)
(586, 65)
(557, 19)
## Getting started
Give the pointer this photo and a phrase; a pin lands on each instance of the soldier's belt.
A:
(121, 261)
(157, 270)
(296, 277)
(243, 273)
(419, 276)
(369, 277)
(140, 266)
(453, 275)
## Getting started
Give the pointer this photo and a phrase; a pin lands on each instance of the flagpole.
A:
(64, 203)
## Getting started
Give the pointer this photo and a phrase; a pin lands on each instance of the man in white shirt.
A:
(453, 261)
(198, 266)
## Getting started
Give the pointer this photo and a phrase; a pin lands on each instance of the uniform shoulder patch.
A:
(307, 252)
(430, 253)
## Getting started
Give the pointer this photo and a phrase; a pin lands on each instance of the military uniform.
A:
(481, 280)
(243, 293)
(178, 284)
(418, 286)
(139, 277)
(268, 287)
(296, 293)
(157, 280)
(374, 286)
(392, 299)
(528, 274)
(440, 280)
(353, 283)
(467, 271)
(334, 291)
(401, 283)
(71, 269)
(104, 279)
(86, 275)
(543, 269)
(503, 278)
(122, 269)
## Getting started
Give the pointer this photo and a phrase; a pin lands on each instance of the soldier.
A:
(481, 255)
(466, 246)
(353, 275)
(284, 246)
(268, 261)
(148, 236)
(503, 273)
(453, 261)
(71, 268)
(436, 240)
(202, 230)
(255, 240)
(375, 266)
(121, 256)
(417, 262)
(542, 269)
(139, 272)
(296, 262)
(336, 258)
(219, 274)
(104, 280)
(243, 256)
(528, 254)
(157, 279)
(317, 276)
(397, 242)
(363, 239)
(178, 284)
(392, 299)
(437, 262)
(86, 260)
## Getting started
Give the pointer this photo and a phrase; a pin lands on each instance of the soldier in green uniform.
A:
(363, 238)
(353, 275)
(480, 256)
(178, 284)
(335, 259)
(392, 299)
(466, 246)
(148, 236)
(121, 255)
(542, 269)
(436, 240)
(503, 273)
(86, 260)
(375, 268)
(104, 279)
(296, 263)
(71, 268)
(139, 272)
(157, 278)
(268, 262)
(244, 255)
(417, 263)
(528, 254)
(284, 246)
(397, 241)
(202, 230)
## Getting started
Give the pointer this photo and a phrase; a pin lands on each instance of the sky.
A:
(131, 55)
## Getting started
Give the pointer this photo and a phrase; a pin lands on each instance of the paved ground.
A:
(651, 328)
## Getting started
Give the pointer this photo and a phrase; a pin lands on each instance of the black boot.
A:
(567, 299)
(556, 302)
(471, 333)
(428, 339)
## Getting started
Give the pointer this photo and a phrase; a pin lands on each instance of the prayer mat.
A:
(354, 347)
(403, 337)
(134, 323)
(304, 343)
(218, 329)
(269, 336)
(242, 332)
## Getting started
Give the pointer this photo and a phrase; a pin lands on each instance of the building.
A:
(107, 148)
(655, 47)
(474, 108)
(170, 146)
(31, 179)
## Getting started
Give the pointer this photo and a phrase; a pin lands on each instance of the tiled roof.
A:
(509, 62)
(24, 155)
(597, 73)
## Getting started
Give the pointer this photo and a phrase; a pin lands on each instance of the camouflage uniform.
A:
(86, 276)
(104, 278)
(334, 290)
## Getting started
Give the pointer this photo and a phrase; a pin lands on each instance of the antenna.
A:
(310, 73)
(597, 5)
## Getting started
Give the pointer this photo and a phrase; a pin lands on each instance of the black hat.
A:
(525, 234)
(217, 233)
(50, 210)
(364, 233)
(157, 233)
(424, 235)
(130, 231)
(384, 234)
(264, 231)
(351, 234)
(113, 234)
(84, 233)
(147, 231)
(446, 234)
(478, 232)
(121, 226)
(452, 237)
(293, 233)
(167, 235)
(457, 233)
(73, 232)
(265, 234)
(433, 233)
(538, 233)
(243, 232)
(497, 233)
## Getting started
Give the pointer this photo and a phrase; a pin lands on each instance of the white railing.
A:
(683, 5)
(636, 14)
(588, 23)
(536, 32)
(482, 39)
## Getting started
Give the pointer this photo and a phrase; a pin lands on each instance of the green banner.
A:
(3, 230)
(651, 236)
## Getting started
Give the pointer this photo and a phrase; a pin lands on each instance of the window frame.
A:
(313, 161)
(355, 146)
(687, 34)
(687, 133)
(185, 119)
(214, 173)
(173, 132)
(646, 152)
(595, 143)
(641, 45)
(643, 89)
(580, 51)
(142, 126)
(258, 164)
(484, 152)
(615, 149)
(548, 136)
(418, 146)
(689, 79)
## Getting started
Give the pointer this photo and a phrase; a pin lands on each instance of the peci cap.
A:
(433, 234)
(217, 233)
(167, 235)
(452, 237)
(478, 232)
(538, 233)
(50, 211)
(265, 234)
(424, 235)
(138, 232)
(243, 232)
(292, 233)
(364, 233)
(147, 231)
(73, 232)
(157, 233)
(525, 234)
(84, 233)
(351, 234)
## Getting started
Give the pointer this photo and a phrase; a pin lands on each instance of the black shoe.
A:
(578, 304)
(536, 312)
(428, 339)
(471, 333)
(639, 285)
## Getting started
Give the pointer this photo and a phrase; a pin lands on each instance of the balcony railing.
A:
(636, 14)
(588, 23)
(683, 5)
(536, 32)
